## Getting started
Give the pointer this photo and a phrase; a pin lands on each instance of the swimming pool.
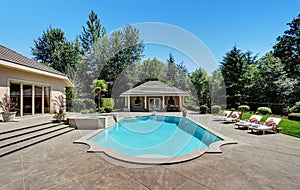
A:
(154, 139)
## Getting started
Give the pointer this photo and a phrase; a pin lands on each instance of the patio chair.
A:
(222, 117)
(234, 117)
(271, 124)
(254, 119)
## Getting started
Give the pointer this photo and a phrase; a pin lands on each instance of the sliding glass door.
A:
(38, 99)
(30, 99)
(15, 94)
(27, 99)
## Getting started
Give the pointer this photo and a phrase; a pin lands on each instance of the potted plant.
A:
(60, 114)
(8, 108)
(184, 111)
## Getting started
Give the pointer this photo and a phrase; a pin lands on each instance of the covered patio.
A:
(154, 96)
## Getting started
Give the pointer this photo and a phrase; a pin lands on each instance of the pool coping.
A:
(213, 148)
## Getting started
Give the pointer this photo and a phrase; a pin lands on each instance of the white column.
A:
(128, 100)
(180, 102)
(145, 102)
(33, 100)
(43, 100)
(21, 100)
(163, 102)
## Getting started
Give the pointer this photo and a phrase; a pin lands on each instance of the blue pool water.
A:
(161, 136)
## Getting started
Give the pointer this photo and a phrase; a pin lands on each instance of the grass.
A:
(289, 127)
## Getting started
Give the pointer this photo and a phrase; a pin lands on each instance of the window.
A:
(38, 99)
(30, 98)
(171, 101)
(27, 99)
(137, 101)
(46, 99)
(15, 94)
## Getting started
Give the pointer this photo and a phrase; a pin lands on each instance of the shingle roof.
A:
(14, 57)
(154, 88)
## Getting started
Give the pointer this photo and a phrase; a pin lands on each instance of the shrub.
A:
(215, 109)
(285, 111)
(108, 109)
(83, 103)
(295, 108)
(294, 116)
(107, 102)
(264, 110)
(91, 110)
(203, 109)
(232, 109)
(244, 108)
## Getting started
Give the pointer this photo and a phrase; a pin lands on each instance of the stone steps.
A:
(26, 130)
(14, 140)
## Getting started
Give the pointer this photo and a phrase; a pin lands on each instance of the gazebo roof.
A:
(154, 88)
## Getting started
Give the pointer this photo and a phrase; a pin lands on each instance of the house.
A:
(154, 95)
(32, 85)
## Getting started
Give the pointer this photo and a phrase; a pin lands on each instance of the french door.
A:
(154, 103)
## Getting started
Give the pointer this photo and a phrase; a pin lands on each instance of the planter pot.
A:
(9, 116)
(59, 118)
(184, 113)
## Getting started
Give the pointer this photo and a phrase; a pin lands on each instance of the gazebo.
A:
(154, 96)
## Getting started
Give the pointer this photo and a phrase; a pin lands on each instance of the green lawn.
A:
(288, 127)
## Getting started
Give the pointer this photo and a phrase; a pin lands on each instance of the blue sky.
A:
(250, 24)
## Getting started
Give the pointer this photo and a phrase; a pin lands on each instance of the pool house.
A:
(154, 96)
(32, 85)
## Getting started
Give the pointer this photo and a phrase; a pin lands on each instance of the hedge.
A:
(203, 109)
(294, 116)
(107, 102)
(215, 109)
(244, 108)
(295, 108)
(264, 110)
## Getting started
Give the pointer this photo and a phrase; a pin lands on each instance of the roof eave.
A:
(11, 65)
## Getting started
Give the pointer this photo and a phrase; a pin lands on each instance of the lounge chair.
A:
(254, 119)
(271, 124)
(222, 117)
(234, 117)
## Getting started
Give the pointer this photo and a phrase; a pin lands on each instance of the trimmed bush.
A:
(264, 110)
(215, 109)
(232, 109)
(244, 108)
(295, 108)
(294, 116)
(83, 103)
(108, 109)
(107, 102)
(203, 109)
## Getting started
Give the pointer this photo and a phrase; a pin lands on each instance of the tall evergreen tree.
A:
(200, 81)
(125, 49)
(288, 48)
(275, 85)
(171, 70)
(53, 49)
(234, 65)
(92, 32)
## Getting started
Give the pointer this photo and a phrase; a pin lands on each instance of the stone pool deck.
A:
(270, 161)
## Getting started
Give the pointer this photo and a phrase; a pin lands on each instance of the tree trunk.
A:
(99, 101)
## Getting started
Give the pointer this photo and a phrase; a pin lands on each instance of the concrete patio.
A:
(270, 161)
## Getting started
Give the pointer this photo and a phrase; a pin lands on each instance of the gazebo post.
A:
(128, 102)
(180, 102)
(145, 102)
(163, 103)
